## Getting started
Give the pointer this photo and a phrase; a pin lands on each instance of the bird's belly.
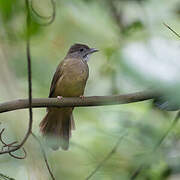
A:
(71, 85)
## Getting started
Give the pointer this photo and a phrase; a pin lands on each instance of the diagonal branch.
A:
(178, 35)
(5, 177)
(106, 158)
(44, 155)
(78, 102)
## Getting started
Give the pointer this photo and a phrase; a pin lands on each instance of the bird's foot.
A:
(82, 97)
(59, 97)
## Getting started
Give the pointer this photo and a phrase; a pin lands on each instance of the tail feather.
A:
(72, 123)
(65, 134)
(56, 128)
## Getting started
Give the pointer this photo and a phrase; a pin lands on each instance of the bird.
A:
(69, 80)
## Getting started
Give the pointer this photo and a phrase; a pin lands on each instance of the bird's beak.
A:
(92, 50)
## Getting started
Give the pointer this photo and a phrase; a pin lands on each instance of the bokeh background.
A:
(137, 52)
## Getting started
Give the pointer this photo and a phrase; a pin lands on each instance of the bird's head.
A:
(80, 51)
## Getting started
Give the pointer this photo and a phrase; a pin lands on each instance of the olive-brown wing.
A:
(55, 79)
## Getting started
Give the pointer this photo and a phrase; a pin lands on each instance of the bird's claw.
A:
(82, 97)
(59, 97)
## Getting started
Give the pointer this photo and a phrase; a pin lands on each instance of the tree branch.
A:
(78, 102)
(5, 177)
(113, 151)
(172, 30)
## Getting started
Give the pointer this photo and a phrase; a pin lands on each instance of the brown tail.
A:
(56, 127)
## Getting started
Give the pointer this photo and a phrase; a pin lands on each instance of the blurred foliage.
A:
(136, 53)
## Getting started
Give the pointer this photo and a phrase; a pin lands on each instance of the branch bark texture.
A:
(77, 102)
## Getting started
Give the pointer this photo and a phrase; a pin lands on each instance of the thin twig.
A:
(144, 165)
(78, 102)
(52, 17)
(5, 177)
(44, 155)
(29, 71)
(172, 30)
(113, 151)
(38, 14)
(28, 23)
(11, 145)
(175, 121)
(18, 157)
(3, 142)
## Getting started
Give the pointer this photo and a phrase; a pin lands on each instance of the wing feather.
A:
(56, 77)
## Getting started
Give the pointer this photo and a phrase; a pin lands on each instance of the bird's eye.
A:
(81, 50)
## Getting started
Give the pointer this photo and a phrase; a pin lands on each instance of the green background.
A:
(136, 53)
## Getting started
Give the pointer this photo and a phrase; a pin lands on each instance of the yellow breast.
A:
(73, 79)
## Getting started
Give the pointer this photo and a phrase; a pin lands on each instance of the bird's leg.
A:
(59, 97)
